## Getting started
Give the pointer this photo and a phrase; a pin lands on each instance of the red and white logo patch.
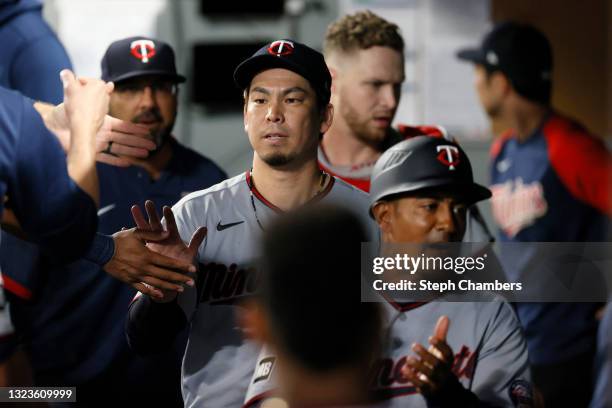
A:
(280, 48)
(448, 155)
(517, 205)
(144, 50)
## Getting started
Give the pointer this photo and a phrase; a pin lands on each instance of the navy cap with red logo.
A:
(291, 55)
(522, 53)
(138, 56)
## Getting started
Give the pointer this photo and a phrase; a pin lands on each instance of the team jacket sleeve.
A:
(581, 161)
(101, 250)
(35, 71)
(52, 210)
(502, 375)
(151, 327)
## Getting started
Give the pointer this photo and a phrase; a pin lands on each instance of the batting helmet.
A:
(424, 162)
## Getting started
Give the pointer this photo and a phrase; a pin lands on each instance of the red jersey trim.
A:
(261, 198)
(16, 288)
(499, 142)
(257, 398)
(362, 184)
(402, 306)
(582, 162)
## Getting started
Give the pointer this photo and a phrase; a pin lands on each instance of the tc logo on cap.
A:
(448, 155)
(280, 48)
(143, 49)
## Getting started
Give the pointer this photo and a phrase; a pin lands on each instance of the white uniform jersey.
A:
(218, 362)
(490, 353)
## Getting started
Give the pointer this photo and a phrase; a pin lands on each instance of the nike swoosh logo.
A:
(105, 209)
(221, 227)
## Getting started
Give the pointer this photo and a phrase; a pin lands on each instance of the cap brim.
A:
(244, 73)
(134, 74)
(472, 193)
(472, 54)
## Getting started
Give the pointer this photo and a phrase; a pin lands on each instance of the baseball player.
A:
(365, 55)
(551, 181)
(286, 108)
(443, 353)
(146, 93)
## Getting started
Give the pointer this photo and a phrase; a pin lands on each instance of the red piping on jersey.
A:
(402, 307)
(362, 184)
(261, 198)
(581, 161)
(499, 142)
(257, 398)
(16, 288)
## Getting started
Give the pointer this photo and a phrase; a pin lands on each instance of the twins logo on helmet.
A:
(448, 155)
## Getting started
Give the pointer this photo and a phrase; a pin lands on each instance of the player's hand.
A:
(172, 246)
(85, 101)
(431, 368)
(144, 269)
(117, 141)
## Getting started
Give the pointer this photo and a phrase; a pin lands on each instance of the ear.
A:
(253, 322)
(382, 215)
(327, 119)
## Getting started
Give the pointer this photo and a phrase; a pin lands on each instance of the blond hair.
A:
(362, 30)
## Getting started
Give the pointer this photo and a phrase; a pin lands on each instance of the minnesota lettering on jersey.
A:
(387, 381)
(517, 205)
(219, 284)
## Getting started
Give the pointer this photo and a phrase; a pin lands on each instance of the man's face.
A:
(488, 91)
(367, 88)
(282, 119)
(425, 218)
(148, 100)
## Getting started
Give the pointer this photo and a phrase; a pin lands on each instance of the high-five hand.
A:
(172, 246)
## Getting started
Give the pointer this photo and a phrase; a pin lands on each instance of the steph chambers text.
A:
(448, 286)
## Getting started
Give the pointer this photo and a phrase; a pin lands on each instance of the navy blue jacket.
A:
(31, 56)
(552, 187)
(72, 317)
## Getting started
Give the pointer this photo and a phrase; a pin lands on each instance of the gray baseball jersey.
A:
(218, 361)
(489, 346)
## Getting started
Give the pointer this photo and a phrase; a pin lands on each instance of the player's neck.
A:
(155, 164)
(301, 388)
(526, 118)
(343, 148)
(288, 188)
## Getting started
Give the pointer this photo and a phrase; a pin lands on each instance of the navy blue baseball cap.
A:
(137, 56)
(522, 53)
(291, 55)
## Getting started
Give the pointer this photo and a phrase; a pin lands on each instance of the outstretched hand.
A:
(144, 269)
(172, 246)
(118, 142)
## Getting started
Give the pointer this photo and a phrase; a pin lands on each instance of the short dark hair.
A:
(311, 289)
(536, 92)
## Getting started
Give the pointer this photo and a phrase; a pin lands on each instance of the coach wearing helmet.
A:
(420, 190)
